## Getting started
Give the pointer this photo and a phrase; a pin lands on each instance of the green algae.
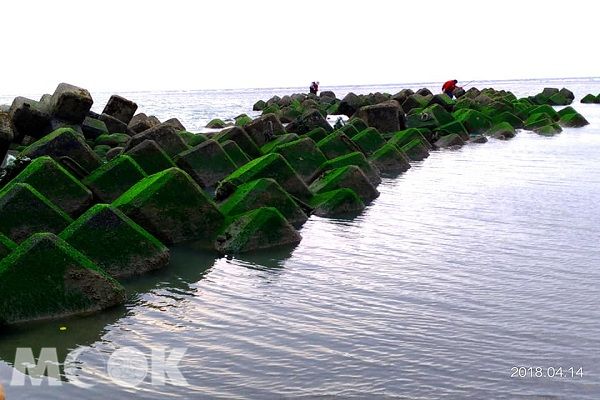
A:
(115, 242)
(25, 211)
(358, 159)
(548, 130)
(278, 141)
(369, 140)
(474, 121)
(402, 138)
(573, 120)
(235, 152)
(113, 140)
(45, 277)
(415, 150)
(545, 109)
(389, 159)
(193, 139)
(6, 246)
(537, 121)
(56, 184)
(242, 120)
(172, 207)
(272, 165)
(358, 123)
(216, 123)
(510, 118)
(258, 229)
(350, 177)
(114, 178)
(336, 203)
(589, 99)
(265, 192)
(336, 144)
(304, 157)
(317, 134)
(207, 163)
(150, 157)
(453, 128)
(242, 139)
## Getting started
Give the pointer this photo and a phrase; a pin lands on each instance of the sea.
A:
(475, 274)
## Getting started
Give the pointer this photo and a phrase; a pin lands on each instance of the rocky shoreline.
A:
(94, 198)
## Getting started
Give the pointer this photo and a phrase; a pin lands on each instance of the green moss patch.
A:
(590, 99)
(193, 139)
(64, 142)
(358, 124)
(336, 203)
(45, 277)
(172, 207)
(337, 144)
(350, 177)
(25, 211)
(235, 152)
(357, 158)
(452, 140)
(402, 138)
(264, 192)
(6, 246)
(474, 121)
(216, 123)
(545, 109)
(55, 183)
(242, 120)
(369, 140)
(115, 243)
(415, 150)
(453, 128)
(304, 157)
(389, 159)
(509, 117)
(242, 139)
(574, 120)
(272, 165)
(317, 134)
(548, 130)
(537, 121)
(207, 163)
(114, 178)
(150, 157)
(113, 140)
(258, 229)
(278, 141)
(502, 131)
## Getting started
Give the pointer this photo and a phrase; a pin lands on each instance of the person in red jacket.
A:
(449, 87)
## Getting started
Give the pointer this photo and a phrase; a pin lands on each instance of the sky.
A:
(129, 45)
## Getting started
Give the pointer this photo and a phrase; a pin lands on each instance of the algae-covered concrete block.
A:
(71, 103)
(350, 177)
(112, 124)
(120, 108)
(538, 120)
(509, 117)
(545, 109)
(386, 117)
(415, 150)
(262, 127)
(308, 121)
(165, 135)
(193, 139)
(29, 118)
(55, 183)
(239, 135)
(278, 141)
(151, 157)
(402, 138)
(317, 134)
(116, 243)
(451, 140)
(502, 131)
(473, 121)
(304, 157)
(573, 120)
(113, 139)
(92, 128)
(114, 178)
(357, 158)
(388, 158)
(589, 99)
(264, 192)
(337, 144)
(548, 130)
(25, 211)
(259, 229)
(45, 277)
(172, 207)
(453, 128)
(336, 203)
(6, 246)
(369, 140)
(216, 123)
(175, 123)
(272, 165)
(235, 152)
(207, 163)
(64, 142)
(140, 122)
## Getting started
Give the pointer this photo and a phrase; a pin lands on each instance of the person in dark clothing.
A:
(314, 87)
(449, 87)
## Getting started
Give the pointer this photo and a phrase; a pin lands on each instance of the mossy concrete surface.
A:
(165, 135)
(25, 211)
(207, 163)
(317, 134)
(114, 178)
(55, 183)
(401, 138)
(6, 246)
(241, 137)
(369, 140)
(337, 203)
(45, 277)
(64, 142)
(415, 150)
(389, 159)
(350, 177)
(337, 144)
(235, 152)
(304, 157)
(258, 229)
(265, 192)
(150, 157)
(115, 242)
(271, 165)
(278, 141)
(172, 207)
(357, 158)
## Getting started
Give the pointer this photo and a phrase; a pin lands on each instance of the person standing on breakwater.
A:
(314, 87)
(449, 86)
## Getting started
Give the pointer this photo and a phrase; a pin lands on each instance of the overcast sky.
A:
(145, 45)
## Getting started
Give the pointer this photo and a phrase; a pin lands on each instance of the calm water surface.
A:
(473, 261)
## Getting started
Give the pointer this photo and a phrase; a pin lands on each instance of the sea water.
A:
(473, 263)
